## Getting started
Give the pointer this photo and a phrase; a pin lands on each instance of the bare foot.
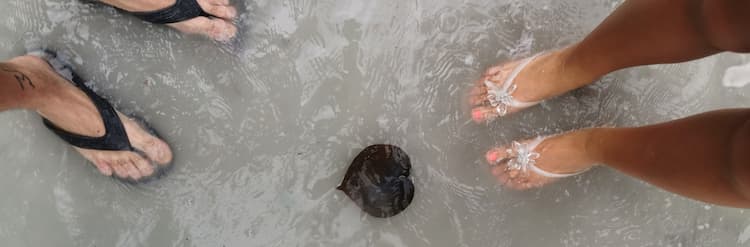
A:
(219, 28)
(69, 108)
(543, 77)
(556, 156)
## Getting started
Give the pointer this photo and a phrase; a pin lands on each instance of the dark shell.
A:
(378, 181)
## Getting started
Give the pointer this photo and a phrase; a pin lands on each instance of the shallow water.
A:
(264, 128)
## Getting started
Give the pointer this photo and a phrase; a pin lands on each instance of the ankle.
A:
(39, 85)
(580, 68)
(594, 144)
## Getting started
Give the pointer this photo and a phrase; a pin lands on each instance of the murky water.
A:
(264, 128)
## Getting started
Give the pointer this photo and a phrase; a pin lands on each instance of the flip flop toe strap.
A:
(501, 97)
(182, 10)
(522, 157)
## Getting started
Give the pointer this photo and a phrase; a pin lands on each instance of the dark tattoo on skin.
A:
(21, 78)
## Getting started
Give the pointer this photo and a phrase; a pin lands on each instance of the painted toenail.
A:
(477, 115)
(491, 157)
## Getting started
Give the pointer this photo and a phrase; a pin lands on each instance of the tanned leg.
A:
(639, 32)
(705, 157)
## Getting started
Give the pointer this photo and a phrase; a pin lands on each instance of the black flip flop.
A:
(115, 137)
(182, 10)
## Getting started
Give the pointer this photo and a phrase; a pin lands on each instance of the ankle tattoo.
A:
(21, 78)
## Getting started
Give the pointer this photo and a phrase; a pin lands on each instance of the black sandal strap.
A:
(182, 10)
(115, 137)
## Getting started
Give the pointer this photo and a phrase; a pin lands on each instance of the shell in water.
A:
(378, 181)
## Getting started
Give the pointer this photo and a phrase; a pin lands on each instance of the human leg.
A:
(28, 82)
(639, 32)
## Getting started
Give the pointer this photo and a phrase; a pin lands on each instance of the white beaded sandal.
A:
(522, 157)
(501, 97)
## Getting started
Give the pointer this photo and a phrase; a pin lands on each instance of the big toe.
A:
(157, 151)
(483, 114)
(495, 155)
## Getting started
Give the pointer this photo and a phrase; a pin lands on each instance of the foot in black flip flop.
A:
(212, 18)
(114, 143)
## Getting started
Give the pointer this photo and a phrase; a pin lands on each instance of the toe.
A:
(494, 70)
(478, 95)
(523, 186)
(217, 29)
(517, 184)
(104, 168)
(120, 171)
(501, 175)
(514, 173)
(488, 113)
(478, 100)
(157, 151)
(153, 149)
(479, 88)
(499, 72)
(132, 171)
(499, 172)
(495, 155)
(144, 167)
(504, 180)
(483, 114)
(534, 185)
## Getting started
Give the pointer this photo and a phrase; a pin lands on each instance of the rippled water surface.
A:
(264, 128)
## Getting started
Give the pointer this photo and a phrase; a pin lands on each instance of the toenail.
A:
(477, 115)
(491, 157)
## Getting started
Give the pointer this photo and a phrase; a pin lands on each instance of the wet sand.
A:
(264, 128)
